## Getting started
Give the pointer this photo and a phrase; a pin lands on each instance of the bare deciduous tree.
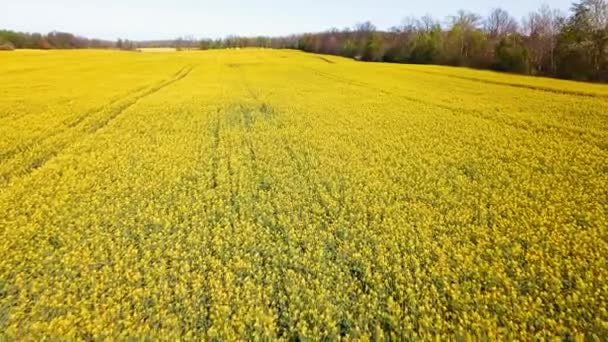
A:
(542, 28)
(500, 23)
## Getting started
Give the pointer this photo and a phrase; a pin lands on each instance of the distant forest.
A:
(546, 42)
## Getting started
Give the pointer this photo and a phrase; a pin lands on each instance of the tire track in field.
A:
(593, 138)
(242, 116)
(24, 70)
(74, 120)
(69, 122)
(517, 85)
(83, 127)
(119, 109)
(303, 166)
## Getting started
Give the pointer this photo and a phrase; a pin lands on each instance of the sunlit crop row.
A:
(259, 194)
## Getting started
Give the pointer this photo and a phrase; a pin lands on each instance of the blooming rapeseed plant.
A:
(264, 194)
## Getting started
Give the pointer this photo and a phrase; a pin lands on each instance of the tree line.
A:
(54, 40)
(546, 42)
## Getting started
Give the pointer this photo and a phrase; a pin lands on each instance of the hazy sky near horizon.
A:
(155, 19)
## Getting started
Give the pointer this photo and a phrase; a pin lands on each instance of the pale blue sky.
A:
(155, 19)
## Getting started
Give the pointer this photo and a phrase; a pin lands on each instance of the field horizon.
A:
(261, 194)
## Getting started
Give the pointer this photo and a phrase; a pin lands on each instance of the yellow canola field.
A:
(273, 194)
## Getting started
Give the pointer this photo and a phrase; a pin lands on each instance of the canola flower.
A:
(261, 195)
